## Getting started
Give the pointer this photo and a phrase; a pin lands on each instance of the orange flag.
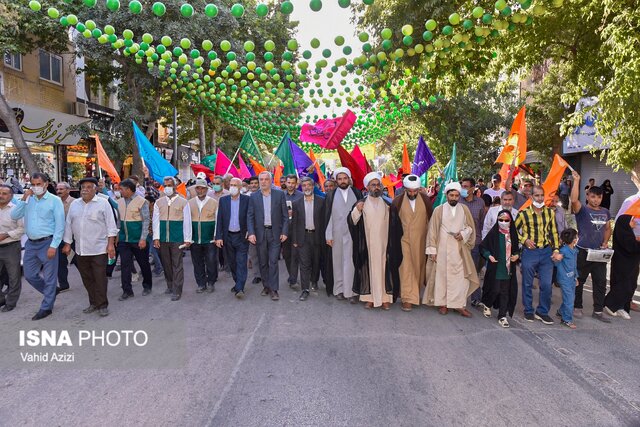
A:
(257, 167)
(516, 142)
(182, 189)
(277, 174)
(105, 163)
(552, 182)
(321, 177)
(634, 209)
(390, 184)
(406, 163)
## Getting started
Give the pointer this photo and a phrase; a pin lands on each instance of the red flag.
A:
(224, 165)
(357, 174)
(360, 159)
(244, 170)
(552, 182)
(105, 163)
(257, 167)
(321, 177)
(196, 168)
(516, 144)
(406, 163)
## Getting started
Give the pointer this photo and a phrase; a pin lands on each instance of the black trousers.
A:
(291, 261)
(205, 264)
(127, 252)
(63, 266)
(93, 271)
(268, 253)
(309, 257)
(598, 271)
(10, 266)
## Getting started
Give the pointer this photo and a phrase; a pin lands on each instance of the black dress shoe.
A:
(42, 314)
(2, 303)
(340, 297)
(176, 297)
(314, 287)
(61, 289)
(125, 296)
(256, 280)
(146, 292)
(7, 308)
(304, 296)
(168, 292)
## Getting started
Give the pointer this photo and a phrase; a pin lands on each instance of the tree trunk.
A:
(202, 136)
(635, 174)
(8, 117)
(214, 136)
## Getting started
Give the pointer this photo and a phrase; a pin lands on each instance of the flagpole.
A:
(234, 157)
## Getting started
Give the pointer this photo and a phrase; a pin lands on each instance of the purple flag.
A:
(302, 162)
(423, 159)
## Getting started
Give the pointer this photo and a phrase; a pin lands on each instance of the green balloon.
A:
(501, 4)
(262, 10)
(292, 45)
(89, 3)
(427, 36)
(430, 25)
(35, 5)
(135, 7)
(186, 10)
(53, 13)
(225, 45)
(347, 50)
(249, 46)
(386, 33)
(250, 56)
(207, 45)
(306, 54)
(159, 9)
(407, 40)
(506, 11)
(326, 53)
(166, 40)
(211, 10)
(467, 24)
(185, 43)
(237, 10)
(487, 18)
(477, 12)
(315, 5)
(363, 37)
(315, 43)
(344, 3)
(387, 45)
(269, 45)
(286, 7)
(113, 5)
(454, 19)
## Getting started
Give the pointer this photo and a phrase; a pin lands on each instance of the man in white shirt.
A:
(495, 190)
(506, 203)
(91, 224)
(11, 231)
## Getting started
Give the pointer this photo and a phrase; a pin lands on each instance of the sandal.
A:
(486, 311)
(569, 325)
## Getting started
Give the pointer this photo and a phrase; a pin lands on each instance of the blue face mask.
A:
(464, 193)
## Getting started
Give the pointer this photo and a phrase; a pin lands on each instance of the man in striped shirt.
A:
(539, 237)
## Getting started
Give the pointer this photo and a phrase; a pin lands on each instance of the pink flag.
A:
(224, 165)
(244, 170)
(328, 133)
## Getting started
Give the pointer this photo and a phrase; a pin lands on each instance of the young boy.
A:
(568, 275)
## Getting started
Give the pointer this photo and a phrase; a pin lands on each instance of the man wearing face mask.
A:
(218, 189)
(369, 227)
(538, 234)
(506, 204)
(204, 255)
(62, 190)
(339, 266)
(409, 215)
(451, 272)
(477, 208)
(307, 234)
(172, 233)
(44, 224)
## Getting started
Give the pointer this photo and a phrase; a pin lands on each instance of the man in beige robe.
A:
(373, 211)
(451, 274)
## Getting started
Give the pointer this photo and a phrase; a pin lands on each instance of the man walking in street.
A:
(540, 242)
(268, 224)
(91, 225)
(307, 235)
(288, 253)
(11, 231)
(594, 231)
(43, 215)
(204, 254)
(171, 233)
(231, 234)
(62, 190)
(477, 208)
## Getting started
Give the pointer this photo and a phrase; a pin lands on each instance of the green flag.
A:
(284, 154)
(209, 161)
(450, 173)
(249, 147)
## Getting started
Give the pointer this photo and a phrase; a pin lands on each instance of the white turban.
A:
(342, 170)
(411, 182)
(370, 177)
(452, 186)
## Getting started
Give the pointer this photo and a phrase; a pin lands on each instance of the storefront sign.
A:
(584, 138)
(45, 126)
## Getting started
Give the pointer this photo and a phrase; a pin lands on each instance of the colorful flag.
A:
(390, 181)
(277, 174)
(634, 209)
(515, 150)
(423, 159)
(283, 152)
(224, 165)
(450, 174)
(504, 173)
(248, 145)
(105, 163)
(158, 166)
(301, 162)
(361, 159)
(319, 173)
(243, 170)
(257, 167)
(328, 133)
(196, 168)
(209, 161)
(552, 182)
(406, 163)
(182, 189)
(357, 174)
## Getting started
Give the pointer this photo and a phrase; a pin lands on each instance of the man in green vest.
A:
(204, 254)
(133, 211)
(171, 234)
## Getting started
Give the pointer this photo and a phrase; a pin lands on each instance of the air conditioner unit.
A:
(80, 109)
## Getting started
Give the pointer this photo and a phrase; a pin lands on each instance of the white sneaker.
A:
(486, 311)
(611, 313)
(623, 314)
(503, 322)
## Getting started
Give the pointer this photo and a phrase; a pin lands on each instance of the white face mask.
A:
(538, 205)
(234, 191)
(504, 225)
(168, 191)
(117, 194)
(38, 191)
(308, 192)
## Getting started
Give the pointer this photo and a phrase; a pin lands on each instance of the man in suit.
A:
(267, 225)
(307, 235)
(288, 253)
(231, 233)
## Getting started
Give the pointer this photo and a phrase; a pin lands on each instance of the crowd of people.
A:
(478, 248)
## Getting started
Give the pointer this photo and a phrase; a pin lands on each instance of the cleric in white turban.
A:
(341, 170)
(370, 177)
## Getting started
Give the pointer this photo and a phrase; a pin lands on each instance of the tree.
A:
(21, 31)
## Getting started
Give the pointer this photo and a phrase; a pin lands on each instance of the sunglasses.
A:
(504, 220)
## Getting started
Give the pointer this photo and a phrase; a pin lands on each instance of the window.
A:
(13, 60)
(50, 67)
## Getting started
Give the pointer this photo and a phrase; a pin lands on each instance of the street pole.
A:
(175, 138)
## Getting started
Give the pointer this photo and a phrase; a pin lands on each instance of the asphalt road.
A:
(321, 362)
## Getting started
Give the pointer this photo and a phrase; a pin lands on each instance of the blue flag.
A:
(423, 159)
(158, 166)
